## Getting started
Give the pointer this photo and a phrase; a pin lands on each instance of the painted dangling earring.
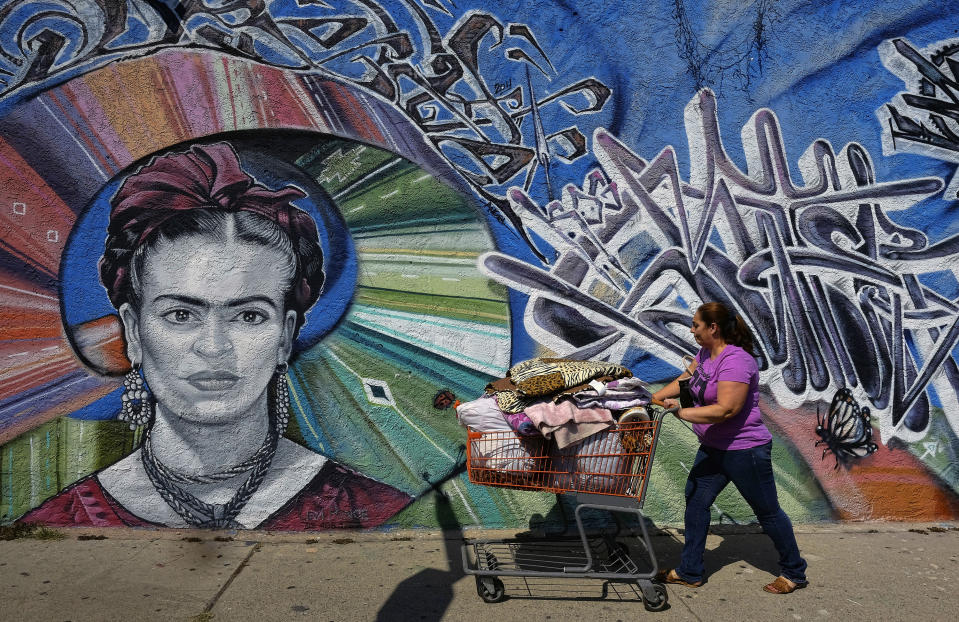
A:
(137, 407)
(282, 402)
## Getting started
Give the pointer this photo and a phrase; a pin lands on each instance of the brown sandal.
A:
(670, 576)
(782, 586)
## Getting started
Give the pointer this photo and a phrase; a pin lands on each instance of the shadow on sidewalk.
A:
(745, 547)
(743, 550)
(754, 550)
(427, 594)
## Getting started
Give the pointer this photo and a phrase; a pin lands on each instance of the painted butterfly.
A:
(845, 429)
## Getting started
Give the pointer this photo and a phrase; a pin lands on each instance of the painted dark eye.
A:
(252, 317)
(179, 316)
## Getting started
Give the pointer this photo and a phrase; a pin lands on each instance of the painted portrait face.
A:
(211, 327)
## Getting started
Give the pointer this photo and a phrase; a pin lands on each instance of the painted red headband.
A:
(206, 177)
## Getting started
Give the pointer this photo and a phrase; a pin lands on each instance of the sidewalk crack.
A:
(690, 609)
(212, 602)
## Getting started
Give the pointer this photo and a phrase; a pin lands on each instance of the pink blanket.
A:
(567, 423)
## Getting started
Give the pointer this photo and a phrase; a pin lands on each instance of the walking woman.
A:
(734, 446)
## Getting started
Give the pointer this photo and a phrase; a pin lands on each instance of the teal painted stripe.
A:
(386, 424)
(483, 500)
(422, 344)
(437, 322)
(305, 417)
(412, 394)
(371, 416)
(9, 479)
(353, 438)
(346, 439)
(46, 461)
(460, 379)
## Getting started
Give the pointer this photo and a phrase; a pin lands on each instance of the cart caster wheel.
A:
(659, 603)
(497, 594)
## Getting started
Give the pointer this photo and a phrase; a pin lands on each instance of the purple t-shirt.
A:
(746, 428)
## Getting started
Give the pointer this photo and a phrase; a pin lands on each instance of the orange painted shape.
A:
(100, 341)
(34, 221)
(133, 97)
(888, 485)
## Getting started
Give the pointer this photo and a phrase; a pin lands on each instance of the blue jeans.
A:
(751, 470)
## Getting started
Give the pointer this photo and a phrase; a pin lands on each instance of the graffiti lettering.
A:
(446, 92)
(925, 119)
(828, 282)
(500, 87)
(495, 213)
(338, 514)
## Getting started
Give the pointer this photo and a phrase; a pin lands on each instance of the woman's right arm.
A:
(672, 389)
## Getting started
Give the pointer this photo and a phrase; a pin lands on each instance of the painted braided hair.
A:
(197, 192)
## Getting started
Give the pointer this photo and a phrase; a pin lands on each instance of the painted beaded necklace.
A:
(198, 513)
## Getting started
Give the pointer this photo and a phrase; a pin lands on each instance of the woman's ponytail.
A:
(740, 334)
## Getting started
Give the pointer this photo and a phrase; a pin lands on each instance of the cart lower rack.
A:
(607, 471)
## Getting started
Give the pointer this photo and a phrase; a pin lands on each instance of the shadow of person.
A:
(754, 549)
(559, 521)
(556, 522)
(428, 594)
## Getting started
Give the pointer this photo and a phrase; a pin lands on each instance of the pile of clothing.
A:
(567, 402)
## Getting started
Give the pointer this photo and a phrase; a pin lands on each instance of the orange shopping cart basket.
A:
(607, 471)
(613, 462)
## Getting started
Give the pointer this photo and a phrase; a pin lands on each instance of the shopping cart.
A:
(608, 471)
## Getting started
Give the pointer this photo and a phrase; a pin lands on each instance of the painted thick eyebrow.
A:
(198, 302)
(239, 302)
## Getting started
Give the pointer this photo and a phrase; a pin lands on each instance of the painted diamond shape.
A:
(378, 392)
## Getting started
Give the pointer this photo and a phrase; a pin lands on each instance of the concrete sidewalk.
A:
(878, 571)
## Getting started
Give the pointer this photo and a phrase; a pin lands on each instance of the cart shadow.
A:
(557, 530)
(428, 594)
(737, 548)
(538, 555)
(741, 545)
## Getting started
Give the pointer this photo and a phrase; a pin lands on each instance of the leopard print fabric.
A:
(540, 378)
(547, 384)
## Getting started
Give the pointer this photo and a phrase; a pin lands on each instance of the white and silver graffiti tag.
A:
(467, 88)
(924, 119)
(833, 289)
